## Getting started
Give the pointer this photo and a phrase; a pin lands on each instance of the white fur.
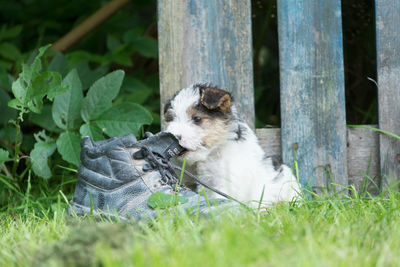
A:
(236, 167)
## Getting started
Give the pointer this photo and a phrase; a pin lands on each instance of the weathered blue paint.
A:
(388, 69)
(207, 41)
(312, 89)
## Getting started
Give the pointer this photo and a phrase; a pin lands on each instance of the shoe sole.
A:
(80, 210)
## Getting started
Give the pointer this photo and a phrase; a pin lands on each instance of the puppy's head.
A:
(199, 117)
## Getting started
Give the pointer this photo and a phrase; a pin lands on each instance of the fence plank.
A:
(312, 89)
(363, 158)
(362, 154)
(207, 41)
(388, 69)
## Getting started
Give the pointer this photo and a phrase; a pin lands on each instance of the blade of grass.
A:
(181, 177)
(68, 169)
(65, 198)
(3, 179)
(261, 198)
(374, 129)
(28, 191)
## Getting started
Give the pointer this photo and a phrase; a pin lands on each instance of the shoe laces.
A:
(168, 175)
(164, 167)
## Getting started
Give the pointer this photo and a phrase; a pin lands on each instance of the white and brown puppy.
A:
(222, 150)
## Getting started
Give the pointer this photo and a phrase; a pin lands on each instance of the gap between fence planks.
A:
(362, 153)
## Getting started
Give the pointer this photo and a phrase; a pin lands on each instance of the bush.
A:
(65, 114)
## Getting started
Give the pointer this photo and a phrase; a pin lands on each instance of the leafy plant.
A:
(120, 49)
(29, 89)
(40, 133)
(33, 84)
(66, 114)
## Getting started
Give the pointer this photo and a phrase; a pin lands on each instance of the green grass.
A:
(324, 232)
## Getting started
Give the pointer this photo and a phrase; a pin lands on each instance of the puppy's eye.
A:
(197, 119)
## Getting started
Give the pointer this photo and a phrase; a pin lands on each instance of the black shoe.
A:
(131, 179)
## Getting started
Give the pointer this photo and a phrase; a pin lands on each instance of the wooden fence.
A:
(208, 40)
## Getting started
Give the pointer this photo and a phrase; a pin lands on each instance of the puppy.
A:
(222, 150)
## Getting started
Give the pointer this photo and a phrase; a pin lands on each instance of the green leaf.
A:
(29, 142)
(123, 119)
(36, 105)
(68, 145)
(44, 119)
(138, 92)
(162, 200)
(112, 42)
(43, 149)
(100, 95)
(10, 33)
(66, 107)
(6, 80)
(4, 156)
(20, 88)
(5, 65)
(59, 64)
(28, 88)
(91, 130)
(16, 104)
(42, 137)
(78, 56)
(8, 134)
(48, 83)
(88, 76)
(6, 112)
(36, 66)
(146, 46)
(9, 51)
(122, 58)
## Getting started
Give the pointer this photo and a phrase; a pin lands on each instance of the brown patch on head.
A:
(215, 99)
(213, 123)
(215, 132)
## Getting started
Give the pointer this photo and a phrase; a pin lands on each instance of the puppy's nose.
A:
(178, 136)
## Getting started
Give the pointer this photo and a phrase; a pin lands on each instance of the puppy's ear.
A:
(214, 98)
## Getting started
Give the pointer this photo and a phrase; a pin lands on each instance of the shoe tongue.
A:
(164, 144)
